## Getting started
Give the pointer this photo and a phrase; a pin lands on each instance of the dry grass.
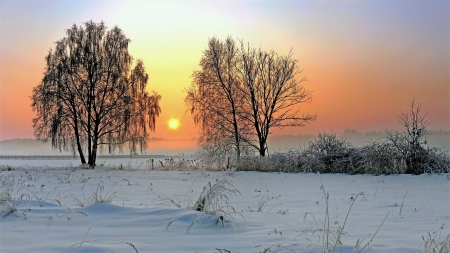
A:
(97, 240)
(432, 242)
(329, 237)
(214, 202)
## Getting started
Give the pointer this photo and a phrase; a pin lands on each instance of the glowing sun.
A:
(173, 123)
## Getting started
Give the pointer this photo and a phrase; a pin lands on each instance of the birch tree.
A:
(91, 96)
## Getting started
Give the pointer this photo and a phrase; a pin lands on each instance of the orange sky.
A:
(364, 60)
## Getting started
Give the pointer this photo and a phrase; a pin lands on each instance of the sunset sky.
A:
(364, 60)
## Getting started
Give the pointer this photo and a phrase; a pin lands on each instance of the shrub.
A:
(7, 206)
(380, 158)
(412, 146)
(329, 154)
(436, 161)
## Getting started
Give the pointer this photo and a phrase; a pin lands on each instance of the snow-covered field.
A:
(55, 211)
(136, 163)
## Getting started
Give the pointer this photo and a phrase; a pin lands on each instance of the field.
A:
(62, 208)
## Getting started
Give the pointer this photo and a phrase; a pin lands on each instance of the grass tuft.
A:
(100, 196)
(96, 240)
(432, 242)
(331, 237)
(214, 201)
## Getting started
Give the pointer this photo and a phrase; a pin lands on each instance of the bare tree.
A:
(91, 96)
(413, 140)
(215, 100)
(271, 93)
(239, 95)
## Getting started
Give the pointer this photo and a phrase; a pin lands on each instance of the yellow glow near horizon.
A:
(173, 123)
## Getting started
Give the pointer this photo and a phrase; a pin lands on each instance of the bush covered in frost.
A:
(329, 154)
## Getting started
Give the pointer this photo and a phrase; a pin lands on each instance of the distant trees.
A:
(240, 94)
(91, 96)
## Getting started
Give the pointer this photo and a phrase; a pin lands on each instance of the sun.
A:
(173, 123)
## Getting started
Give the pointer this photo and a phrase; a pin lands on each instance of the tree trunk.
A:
(80, 150)
(92, 158)
(89, 145)
(262, 148)
(236, 134)
(238, 148)
(77, 135)
(93, 154)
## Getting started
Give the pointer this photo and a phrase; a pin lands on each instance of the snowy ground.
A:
(55, 211)
(136, 163)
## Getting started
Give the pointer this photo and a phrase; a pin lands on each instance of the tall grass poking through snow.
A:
(331, 237)
(97, 240)
(100, 196)
(214, 201)
(432, 242)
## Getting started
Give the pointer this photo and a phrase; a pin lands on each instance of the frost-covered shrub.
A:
(329, 154)
(249, 163)
(7, 206)
(417, 157)
(412, 143)
(436, 161)
(277, 162)
(285, 162)
(380, 158)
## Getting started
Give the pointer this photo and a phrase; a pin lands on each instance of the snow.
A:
(32, 163)
(56, 213)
